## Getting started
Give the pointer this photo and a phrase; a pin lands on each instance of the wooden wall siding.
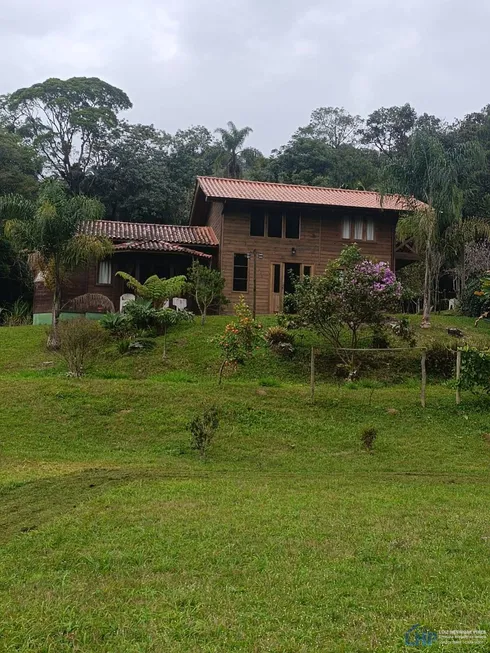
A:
(215, 220)
(85, 281)
(320, 241)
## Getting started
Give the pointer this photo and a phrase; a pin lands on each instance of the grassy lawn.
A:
(115, 537)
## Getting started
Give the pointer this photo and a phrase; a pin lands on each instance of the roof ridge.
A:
(281, 183)
(153, 224)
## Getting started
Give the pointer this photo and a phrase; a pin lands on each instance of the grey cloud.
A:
(266, 63)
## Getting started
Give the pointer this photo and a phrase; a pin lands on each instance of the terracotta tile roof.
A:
(241, 189)
(157, 246)
(137, 231)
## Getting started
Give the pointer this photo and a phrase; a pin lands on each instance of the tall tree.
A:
(306, 160)
(334, 126)
(389, 129)
(432, 174)
(48, 230)
(475, 128)
(233, 157)
(64, 120)
(20, 166)
(146, 175)
(191, 152)
(131, 176)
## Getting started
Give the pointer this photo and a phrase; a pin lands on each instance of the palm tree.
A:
(431, 173)
(48, 231)
(233, 157)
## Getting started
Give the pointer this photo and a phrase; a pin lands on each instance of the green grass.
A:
(115, 537)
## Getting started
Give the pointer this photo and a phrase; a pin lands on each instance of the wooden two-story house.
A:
(267, 230)
(256, 233)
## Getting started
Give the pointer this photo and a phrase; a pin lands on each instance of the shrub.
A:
(203, 428)
(135, 345)
(352, 293)
(475, 369)
(474, 305)
(441, 359)
(123, 345)
(18, 314)
(119, 325)
(380, 339)
(290, 306)
(368, 436)
(206, 286)
(80, 342)
(277, 334)
(287, 321)
(280, 340)
(241, 337)
(404, 330)
(141, 315)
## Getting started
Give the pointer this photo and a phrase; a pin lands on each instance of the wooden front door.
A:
(276, 288)
(281, 282)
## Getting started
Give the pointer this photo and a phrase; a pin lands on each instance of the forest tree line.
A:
(74, 130)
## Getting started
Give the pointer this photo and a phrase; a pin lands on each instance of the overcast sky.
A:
(262, 63)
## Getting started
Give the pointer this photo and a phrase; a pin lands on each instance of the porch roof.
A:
(158, 246)
(144, 232)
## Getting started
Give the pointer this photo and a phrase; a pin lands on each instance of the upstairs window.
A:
(370, 230)
(358, 229)
(104, 273)
(274, 226)
(292, 224)
(346, 228)
(257, 222)
(240, 272)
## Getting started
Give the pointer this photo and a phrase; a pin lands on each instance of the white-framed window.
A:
(370, 230)
(358, 229)
(104, 273)
(346, 228)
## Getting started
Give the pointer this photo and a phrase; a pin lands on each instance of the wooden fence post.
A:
(458, 376)
(424, 379)
(312, 374)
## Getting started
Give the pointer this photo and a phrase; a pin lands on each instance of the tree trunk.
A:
(203, 316)
(427, 283)
(221, 370)
(53, 338)
(461, 281)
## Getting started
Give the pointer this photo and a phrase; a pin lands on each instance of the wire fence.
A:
(423, 369)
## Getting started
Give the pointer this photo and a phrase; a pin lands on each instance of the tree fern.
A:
(155, 289)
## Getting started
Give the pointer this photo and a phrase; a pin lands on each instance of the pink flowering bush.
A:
(352, 293)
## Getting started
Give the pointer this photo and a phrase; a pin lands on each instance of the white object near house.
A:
(180, 303)
(452, 304)
(127, 297)
(167, 304)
